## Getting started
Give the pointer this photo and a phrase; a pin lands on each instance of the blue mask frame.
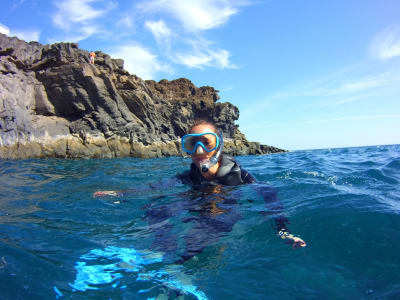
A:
(199, 143)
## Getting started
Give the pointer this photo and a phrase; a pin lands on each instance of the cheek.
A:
(211, 153)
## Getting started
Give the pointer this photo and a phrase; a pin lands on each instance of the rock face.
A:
(55, 104)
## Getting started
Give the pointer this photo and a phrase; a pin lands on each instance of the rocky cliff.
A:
(53, 103)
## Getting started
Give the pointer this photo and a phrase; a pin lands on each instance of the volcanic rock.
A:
(55, 104)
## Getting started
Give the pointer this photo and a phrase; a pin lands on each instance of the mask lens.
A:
(189, 143)
(207, 140)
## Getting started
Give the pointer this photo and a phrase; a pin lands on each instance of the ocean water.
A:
(57, 241)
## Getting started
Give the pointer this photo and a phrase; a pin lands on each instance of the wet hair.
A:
(198, 122)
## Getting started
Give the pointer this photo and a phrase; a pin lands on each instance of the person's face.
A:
(200, 154)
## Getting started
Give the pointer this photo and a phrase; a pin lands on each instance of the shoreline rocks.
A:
(55, 104)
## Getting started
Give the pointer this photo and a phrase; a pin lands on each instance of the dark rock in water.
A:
(55, 104)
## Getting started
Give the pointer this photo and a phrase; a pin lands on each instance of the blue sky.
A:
(305, 74)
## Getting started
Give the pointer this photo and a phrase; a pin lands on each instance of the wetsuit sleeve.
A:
(247, 177)
(160, 185)
(274, 208)
(273, 205)
(179, 179)
(185, 177)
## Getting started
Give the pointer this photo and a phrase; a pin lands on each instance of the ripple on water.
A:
(344, 202)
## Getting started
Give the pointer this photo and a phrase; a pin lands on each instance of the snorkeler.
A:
(204, 144)
(209, 172)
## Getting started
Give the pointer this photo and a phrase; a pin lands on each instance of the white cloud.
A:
(362, 85)
(194, 60)
(263, 125)
(160, 31)
(126, 21)
(194, 15)
(71, 12)
(221, 59)
(183, 44)
(345, 100)
(386, 44)
(140, 61)
(227, 89)
(200, 58)
(353, 88)
(348, 118)
(84, 33)
(78, 18)
(193, 53)
(26, 35)
(343, 87)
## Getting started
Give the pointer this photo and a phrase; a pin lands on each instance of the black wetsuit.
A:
(213, 213)
(229, 173)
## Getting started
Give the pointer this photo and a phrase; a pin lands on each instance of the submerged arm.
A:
(280, 222)
(160, 185)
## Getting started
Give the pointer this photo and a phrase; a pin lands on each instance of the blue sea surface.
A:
(57, 241)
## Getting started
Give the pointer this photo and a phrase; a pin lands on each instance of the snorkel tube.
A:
(207, 164)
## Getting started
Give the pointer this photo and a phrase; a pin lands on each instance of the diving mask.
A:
(209, 141)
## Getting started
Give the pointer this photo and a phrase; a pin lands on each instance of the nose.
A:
(199, 150)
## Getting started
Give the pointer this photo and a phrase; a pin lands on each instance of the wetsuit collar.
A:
(226, 165)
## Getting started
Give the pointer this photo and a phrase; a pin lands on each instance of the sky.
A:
(307, 74)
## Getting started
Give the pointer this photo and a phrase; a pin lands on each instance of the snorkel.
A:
(207, 164)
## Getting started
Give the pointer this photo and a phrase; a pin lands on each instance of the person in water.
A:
(204, 144)
(209, 172)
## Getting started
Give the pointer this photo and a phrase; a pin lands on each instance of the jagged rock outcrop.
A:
(55, 104)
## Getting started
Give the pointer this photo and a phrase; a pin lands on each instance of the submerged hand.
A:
(298, 242)
(105, 193)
